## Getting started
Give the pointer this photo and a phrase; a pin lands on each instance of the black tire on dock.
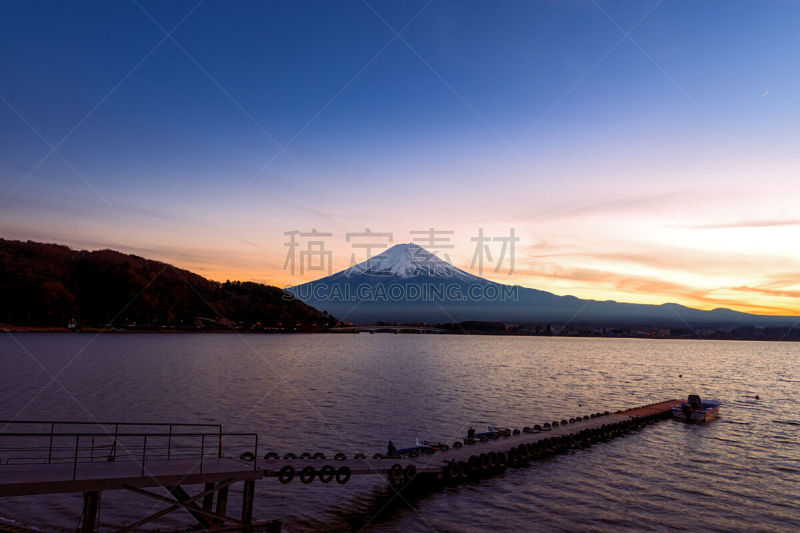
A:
(458, 444)
(286, 474)
(343, 475)
(305, 455)
(339, 457)
(410, 472)
(453, 470)
(537, 427)
(485, 463)
(247, 456)
(290, 456)
(379, 456)
(515, 432)
(319, 455)
(522, 452)
(571, 420)
(308, 474)
(396, 472)
(564, 422)
(444, 448)
(326, 473)
(492, 460)
(272, 455)
(359, 456)
(465, 469)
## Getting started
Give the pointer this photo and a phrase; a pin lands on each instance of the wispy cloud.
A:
(654, 256)
(782, 280)
(614, 205)
(767, 291)
(745, 224)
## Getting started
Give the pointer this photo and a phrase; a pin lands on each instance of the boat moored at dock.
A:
(696, 410)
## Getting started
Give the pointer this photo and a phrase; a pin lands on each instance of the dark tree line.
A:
(48, 285)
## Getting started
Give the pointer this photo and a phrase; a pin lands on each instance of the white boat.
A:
(696, 410)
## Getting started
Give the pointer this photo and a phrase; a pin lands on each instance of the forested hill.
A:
(48, 285)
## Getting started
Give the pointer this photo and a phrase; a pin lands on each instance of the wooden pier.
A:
(174, 455)
(481, 458)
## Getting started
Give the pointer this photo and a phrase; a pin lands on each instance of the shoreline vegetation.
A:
(51, 286)
(772, 334)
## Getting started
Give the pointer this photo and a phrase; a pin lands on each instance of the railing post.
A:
(116, 433)
(169, 443)
(219, 451)
(255, 455)
(75, 459)
(202, 450)
(144, 453)
(50, 451)
(91, 453)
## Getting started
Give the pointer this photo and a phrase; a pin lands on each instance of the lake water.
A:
(352, 393)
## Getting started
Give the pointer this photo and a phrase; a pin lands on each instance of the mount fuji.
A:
(407, 283)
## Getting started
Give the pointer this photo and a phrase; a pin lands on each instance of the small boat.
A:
(696, 410)
(493, 433)
(436, 446)
(420, 447)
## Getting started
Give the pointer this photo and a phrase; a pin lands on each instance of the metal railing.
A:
(173, 442)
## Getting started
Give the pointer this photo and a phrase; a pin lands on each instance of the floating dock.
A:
(489, 456)
(138, 457)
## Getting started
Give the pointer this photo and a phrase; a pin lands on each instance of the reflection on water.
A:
(352, 393)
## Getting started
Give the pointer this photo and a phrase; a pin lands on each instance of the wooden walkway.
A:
(26, 479)
(437, 463)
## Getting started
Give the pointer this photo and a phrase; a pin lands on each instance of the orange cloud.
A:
(767, 292)
(599, 281)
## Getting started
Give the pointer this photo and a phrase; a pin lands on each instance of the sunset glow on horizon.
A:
(632, 158)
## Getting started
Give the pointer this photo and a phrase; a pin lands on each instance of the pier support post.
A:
(91, 505)
(248, 492)
(181, 495)
(222, 501)
(208, 499)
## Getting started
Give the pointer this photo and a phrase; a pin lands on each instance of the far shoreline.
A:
(791, 336)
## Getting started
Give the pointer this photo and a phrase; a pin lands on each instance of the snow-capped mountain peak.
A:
(408, 260)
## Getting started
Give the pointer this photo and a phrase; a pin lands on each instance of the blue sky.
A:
(571, 121)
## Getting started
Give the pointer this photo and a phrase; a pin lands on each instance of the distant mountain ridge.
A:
(48, 285)
(407, 283)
